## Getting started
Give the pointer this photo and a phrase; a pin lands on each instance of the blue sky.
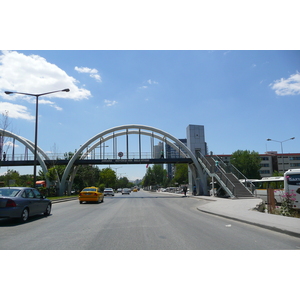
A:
(241, 97)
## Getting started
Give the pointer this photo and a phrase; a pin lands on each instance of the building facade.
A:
(273, 162)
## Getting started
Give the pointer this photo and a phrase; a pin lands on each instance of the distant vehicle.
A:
(40, 183)
(135, 190)
(90, 194)
(108, 192)
(262, 185)
(22, 203)
(126, 191)
(289, 183)
(119, 190)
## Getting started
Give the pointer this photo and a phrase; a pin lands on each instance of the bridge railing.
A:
(17, 157)
(91, 155)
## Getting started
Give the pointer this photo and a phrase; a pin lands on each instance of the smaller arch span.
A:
(29, 145)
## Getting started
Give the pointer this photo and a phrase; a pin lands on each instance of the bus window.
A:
(293, 179)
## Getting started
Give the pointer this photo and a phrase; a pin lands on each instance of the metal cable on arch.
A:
(128, 129)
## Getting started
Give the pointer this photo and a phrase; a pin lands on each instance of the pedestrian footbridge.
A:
(93, 152)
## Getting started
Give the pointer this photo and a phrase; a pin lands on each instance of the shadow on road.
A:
(16, 222)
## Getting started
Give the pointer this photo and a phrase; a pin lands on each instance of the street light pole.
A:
(281, 142)
(36, 123)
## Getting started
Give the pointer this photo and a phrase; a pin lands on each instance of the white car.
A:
(126, 191)
(108, 192)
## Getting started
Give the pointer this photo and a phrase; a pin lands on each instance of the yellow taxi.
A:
(135, 190)
(91, 194)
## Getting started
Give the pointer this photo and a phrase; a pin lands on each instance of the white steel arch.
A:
(29, 145)
(103, 140)
(196, 169)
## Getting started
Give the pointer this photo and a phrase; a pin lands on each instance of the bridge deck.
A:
(100, 162)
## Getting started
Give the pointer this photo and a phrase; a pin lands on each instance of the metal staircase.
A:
(227, 176)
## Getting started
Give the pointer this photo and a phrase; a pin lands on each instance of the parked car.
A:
(22, 203)
(91, 194)
(108, 192)
(126, 191)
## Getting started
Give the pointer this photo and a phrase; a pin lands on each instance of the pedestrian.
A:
(162, 154)
(4, 156)
(184, 190)
(194, 190)
(216, 166)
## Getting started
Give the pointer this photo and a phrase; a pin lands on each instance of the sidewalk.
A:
(242, 210)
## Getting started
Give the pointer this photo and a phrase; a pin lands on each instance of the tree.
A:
(148, 179)
(123, 182)
(108, 177)
(181, 174)
(11, 177)
(247, 162)
(155, 176)
(159, 174)
(86, 176)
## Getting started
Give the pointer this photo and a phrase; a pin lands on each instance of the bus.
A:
(262, 185)
(289, 183)
(292, 185)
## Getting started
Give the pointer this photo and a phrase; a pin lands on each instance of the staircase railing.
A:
(217, 172)
(229, 168)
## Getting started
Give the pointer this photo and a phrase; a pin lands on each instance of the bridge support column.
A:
(198, 179)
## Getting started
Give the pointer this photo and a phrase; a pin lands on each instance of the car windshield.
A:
(9, 192)
(89, 190)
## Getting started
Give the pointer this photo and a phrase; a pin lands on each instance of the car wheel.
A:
(80, 202)
(48, 210)
(25, 215)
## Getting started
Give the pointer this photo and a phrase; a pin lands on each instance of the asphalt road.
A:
(140, 221)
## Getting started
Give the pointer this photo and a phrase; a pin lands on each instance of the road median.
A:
(64, 199)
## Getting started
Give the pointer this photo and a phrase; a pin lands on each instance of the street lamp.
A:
(36, 123)
(281, 149)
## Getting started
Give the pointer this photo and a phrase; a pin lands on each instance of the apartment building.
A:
(272, 161)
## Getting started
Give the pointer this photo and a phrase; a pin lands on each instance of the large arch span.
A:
(114, 132)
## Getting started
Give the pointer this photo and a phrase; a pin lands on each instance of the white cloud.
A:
(152, 81)
(93, 72)
(15, 111)
(289, 86)
(86, 70)
(110, 102)
(50, 103)
(149, 82)
(10, 144)
(33, 74)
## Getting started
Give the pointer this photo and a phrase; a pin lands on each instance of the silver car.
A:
(108, 192)
(22, 202)
(126, 191)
